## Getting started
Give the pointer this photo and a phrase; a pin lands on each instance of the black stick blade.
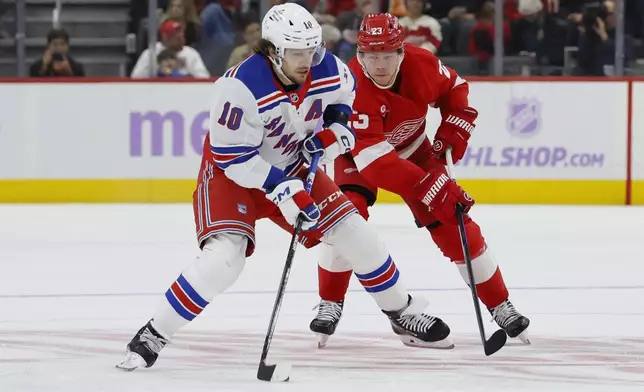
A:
(274, 373)
(495, 342)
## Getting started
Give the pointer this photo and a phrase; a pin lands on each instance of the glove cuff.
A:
(302, 200)
(326, 137)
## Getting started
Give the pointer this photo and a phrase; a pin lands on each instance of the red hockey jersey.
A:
(390, 124)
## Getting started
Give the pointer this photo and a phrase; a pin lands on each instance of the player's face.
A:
(297, 64)
(381, 66)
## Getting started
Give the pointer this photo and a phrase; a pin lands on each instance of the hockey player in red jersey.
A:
(396, 82)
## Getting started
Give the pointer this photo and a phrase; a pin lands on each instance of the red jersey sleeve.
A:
(452, 90)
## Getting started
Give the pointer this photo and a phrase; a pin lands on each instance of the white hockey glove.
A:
(331, 142)
(291, 198)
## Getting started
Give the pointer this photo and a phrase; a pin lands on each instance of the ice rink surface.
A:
(77, 281)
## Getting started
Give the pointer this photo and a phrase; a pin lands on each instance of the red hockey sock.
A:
(333, 286)
(487, 275)
(493, 292)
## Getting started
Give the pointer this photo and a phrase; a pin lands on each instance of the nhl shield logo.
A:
(242, 208)
(295, 97)
(524, 117)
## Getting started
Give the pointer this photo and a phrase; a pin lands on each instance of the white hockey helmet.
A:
(291, 26)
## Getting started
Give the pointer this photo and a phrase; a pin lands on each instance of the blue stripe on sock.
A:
(176, 305)
(384, 286)
(377, 272)
(192, 294)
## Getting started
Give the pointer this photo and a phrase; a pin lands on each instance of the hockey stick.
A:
(498, 338)
(282, 371)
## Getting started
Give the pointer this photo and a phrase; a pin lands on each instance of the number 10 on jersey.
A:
(233, 119)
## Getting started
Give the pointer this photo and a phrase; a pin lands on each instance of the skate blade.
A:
(445, 344)
(524, 337)
(132, 361)
(322, 339)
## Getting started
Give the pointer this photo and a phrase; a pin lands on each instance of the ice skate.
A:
(143, 349)
(417, 329)
(326, 321)
(511, 321)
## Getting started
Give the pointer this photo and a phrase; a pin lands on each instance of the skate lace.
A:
(329, 310)
(155, 343)
(505, 314)
(417, 322)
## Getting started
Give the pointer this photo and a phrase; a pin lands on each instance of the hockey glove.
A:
(443, 195)
(454, 132)
(291, 198)
(331, 142)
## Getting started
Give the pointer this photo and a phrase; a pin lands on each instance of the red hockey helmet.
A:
(380, 33)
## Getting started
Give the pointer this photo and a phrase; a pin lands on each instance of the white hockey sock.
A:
(354, 240)
(218, 266)
(483, 268)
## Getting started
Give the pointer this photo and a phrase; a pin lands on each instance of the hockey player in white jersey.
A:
(262, 119)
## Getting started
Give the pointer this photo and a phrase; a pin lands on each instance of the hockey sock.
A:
(333, 286)
(355, 241)
(490, 285)
(218, 266)
(382, 284)
(487, 275)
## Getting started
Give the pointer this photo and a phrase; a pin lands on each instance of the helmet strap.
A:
(278, 63)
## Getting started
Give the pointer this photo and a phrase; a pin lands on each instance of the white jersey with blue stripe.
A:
(257, 129)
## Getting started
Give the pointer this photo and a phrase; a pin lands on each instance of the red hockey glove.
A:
(443, 195)
(454, 131)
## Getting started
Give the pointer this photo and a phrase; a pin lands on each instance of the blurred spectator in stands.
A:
(318, 10)
(331, 36)
(572, 10)
(422, 30)
(527, 26)
(169, 65)
(185, 12)
(199, 4)
(349, 23)
(634, 18)
(482, 36)
(338, 7)
(220, 20)
(596, 55)
(3, 32)
(560, 30)
(172, 37)
(457, 18)
(139, 13)
(56, 61)
(252, 34)
(321, 17)
(397, 8)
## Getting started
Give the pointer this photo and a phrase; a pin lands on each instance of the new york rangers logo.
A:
(524, 117)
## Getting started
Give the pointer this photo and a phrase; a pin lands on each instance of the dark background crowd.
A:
(202, 38)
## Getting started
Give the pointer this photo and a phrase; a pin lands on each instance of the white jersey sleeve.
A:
(236, 134)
